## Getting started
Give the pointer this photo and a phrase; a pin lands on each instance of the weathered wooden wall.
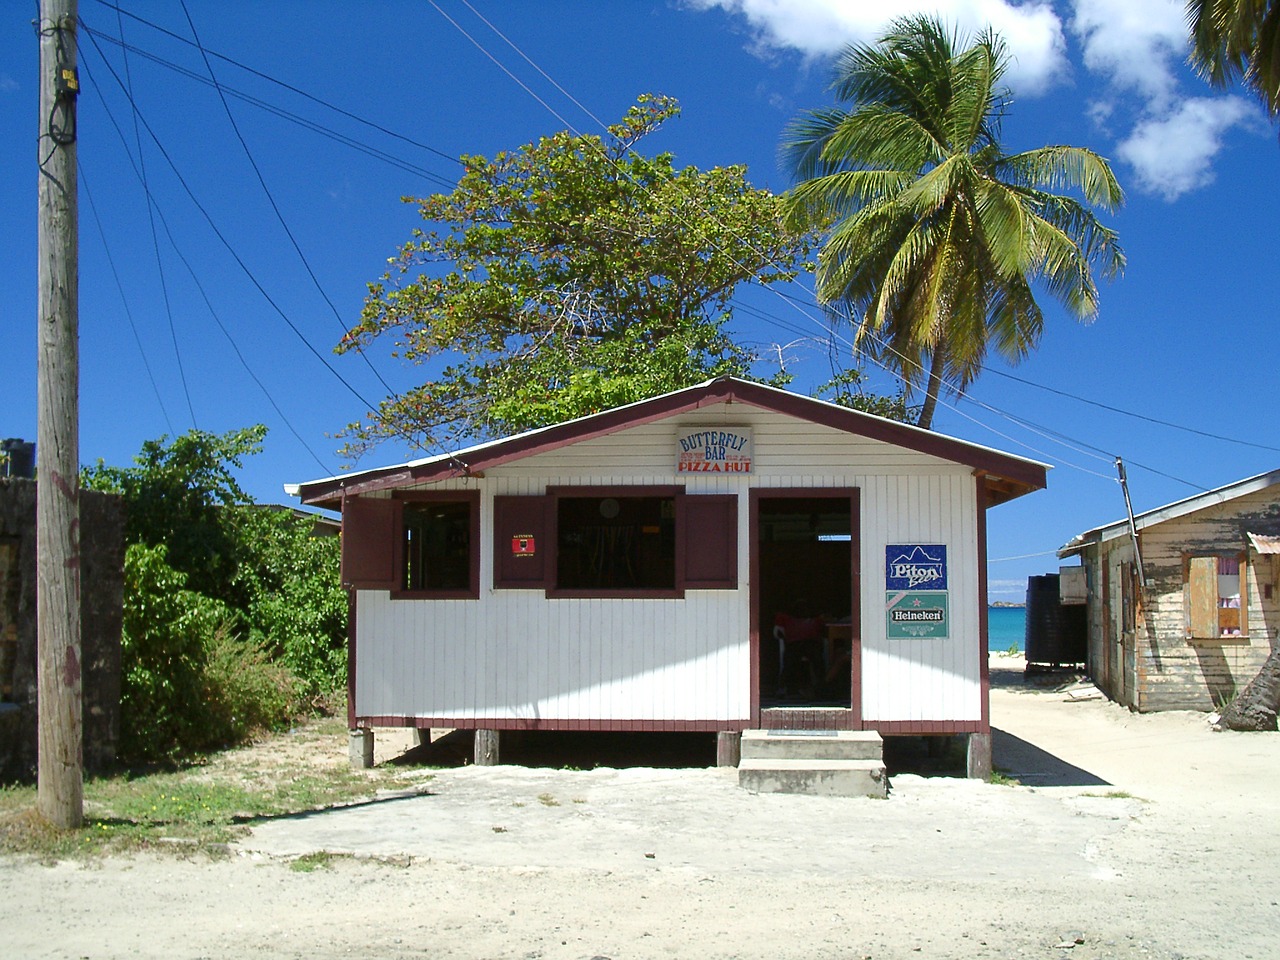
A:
(515, 654)
(1171, 672)
(101, 595)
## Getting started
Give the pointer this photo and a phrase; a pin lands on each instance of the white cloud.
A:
(1136, 44)
(818, 28)
(1171, 154)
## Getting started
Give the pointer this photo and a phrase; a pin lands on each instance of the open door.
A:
(805, 608)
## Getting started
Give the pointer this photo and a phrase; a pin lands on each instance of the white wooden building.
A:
(625, 571)
(1200, 628)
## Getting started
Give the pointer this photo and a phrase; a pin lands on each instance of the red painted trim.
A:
(351, 659)
(529, 723)
(775, 719)
(1002, 468)
(984, 667)
(802, 719)
(472, 498)
(753, 598)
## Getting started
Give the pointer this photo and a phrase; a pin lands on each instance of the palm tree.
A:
(936, 235)
(1238, 39)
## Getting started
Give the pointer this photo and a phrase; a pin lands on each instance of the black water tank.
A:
(21, 459)
(1056, 632)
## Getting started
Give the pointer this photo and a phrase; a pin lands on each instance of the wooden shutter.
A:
(368, 543)
(521, 542)
(710, 534)
(1203, 579)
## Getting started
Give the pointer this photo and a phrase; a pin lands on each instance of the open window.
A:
(1217, 598)
(438, 545)
(619, 542)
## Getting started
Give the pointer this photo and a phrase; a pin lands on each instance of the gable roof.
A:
(1006, 476)
(1171, 511)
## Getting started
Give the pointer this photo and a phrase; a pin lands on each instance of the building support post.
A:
(728, 748)
(487, 748)
(59, 710)
(360, 748)
(979, 756)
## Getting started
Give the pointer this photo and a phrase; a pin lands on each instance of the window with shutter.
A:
(709, 526)
(520, 542)
(1217, 600)
(368, 543)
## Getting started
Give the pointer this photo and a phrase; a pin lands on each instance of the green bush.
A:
(188, 680)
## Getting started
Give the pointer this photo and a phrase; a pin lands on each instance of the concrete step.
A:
(821, 778)
(812, 745)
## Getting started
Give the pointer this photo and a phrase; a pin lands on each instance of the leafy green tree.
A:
(845, 388)
(935, 234)
(1238, 40)
(182, 495)
(569, 276)
(277, 585)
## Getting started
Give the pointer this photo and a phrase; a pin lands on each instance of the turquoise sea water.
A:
(1006, 627)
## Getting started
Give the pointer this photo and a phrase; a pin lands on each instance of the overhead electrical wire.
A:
(223, 239)
(93, 209)
(155, 245)
(273, 109)
(275, 206)
(287, 86)
(827, 328)
(182, 258)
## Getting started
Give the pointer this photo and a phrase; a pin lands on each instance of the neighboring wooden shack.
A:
(635, 570)
(1206, 620)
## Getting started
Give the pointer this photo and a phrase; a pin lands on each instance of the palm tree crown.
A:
(935, 234)
(1238, 39)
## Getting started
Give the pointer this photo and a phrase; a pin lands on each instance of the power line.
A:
(1130, 413)
(272, 200)
(287, 86)
(93, 208)
(155, 244)
(277, 111)
(199, 286)
(222, 237)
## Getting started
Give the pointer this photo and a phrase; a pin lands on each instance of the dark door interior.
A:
(805, 548)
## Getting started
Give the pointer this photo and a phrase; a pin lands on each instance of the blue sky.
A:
(1186, 336)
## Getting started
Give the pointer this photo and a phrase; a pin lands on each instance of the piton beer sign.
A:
(915, 566)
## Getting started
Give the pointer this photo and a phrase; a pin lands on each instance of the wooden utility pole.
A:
(60, 718)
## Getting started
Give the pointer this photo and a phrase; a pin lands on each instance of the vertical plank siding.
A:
(1170, 672)
(515, 656)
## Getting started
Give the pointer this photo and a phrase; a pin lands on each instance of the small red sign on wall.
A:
(522, 546)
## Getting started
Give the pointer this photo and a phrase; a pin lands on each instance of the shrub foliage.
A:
(233, 613)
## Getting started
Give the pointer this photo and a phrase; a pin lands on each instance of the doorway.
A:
(805, 603)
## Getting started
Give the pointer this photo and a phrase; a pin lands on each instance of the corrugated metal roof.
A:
(1264, 544)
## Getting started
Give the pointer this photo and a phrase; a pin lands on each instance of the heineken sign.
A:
(915, 614)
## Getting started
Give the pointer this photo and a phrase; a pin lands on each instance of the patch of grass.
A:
(1114, 795)
(547, 800)
(311, 862)
(199, 808)
(1002, 779)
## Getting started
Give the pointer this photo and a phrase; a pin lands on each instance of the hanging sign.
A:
(717, 450)
(915, 566)
(912, 614)
(523, 546)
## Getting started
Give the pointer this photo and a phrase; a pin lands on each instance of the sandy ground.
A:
(1130, 836)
